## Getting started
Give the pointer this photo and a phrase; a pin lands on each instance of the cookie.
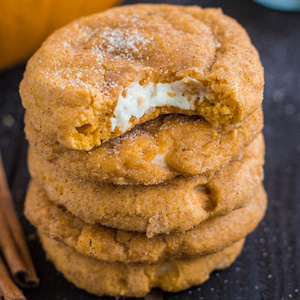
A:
(153, 152)
(99, 76)
(109, 244)
(176, 205)
(135, 280)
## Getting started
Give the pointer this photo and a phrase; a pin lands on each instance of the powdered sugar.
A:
(96, 45)
(120, 41)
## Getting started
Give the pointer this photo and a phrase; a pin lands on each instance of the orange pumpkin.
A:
(24, 24)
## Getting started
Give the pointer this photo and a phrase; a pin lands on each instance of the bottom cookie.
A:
(137, 279)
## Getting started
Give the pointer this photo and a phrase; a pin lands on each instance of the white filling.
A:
(139, 99)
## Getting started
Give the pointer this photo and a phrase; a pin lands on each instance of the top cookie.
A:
(101, 75)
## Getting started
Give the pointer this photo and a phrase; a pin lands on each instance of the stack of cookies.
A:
(146, 152)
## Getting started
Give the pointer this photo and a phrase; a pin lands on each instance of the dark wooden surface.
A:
(269, 267)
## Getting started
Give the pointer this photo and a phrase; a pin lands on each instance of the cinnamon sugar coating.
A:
(109, 244)
(79, 84)
(135, 280)
(175, 205)
(153, 152)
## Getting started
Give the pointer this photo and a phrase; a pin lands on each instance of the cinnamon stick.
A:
(8, 290)
(12, 240)
(155, 294)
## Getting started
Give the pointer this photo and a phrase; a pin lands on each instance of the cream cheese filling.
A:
(138, 99)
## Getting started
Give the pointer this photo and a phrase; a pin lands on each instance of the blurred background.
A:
(269, 267)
